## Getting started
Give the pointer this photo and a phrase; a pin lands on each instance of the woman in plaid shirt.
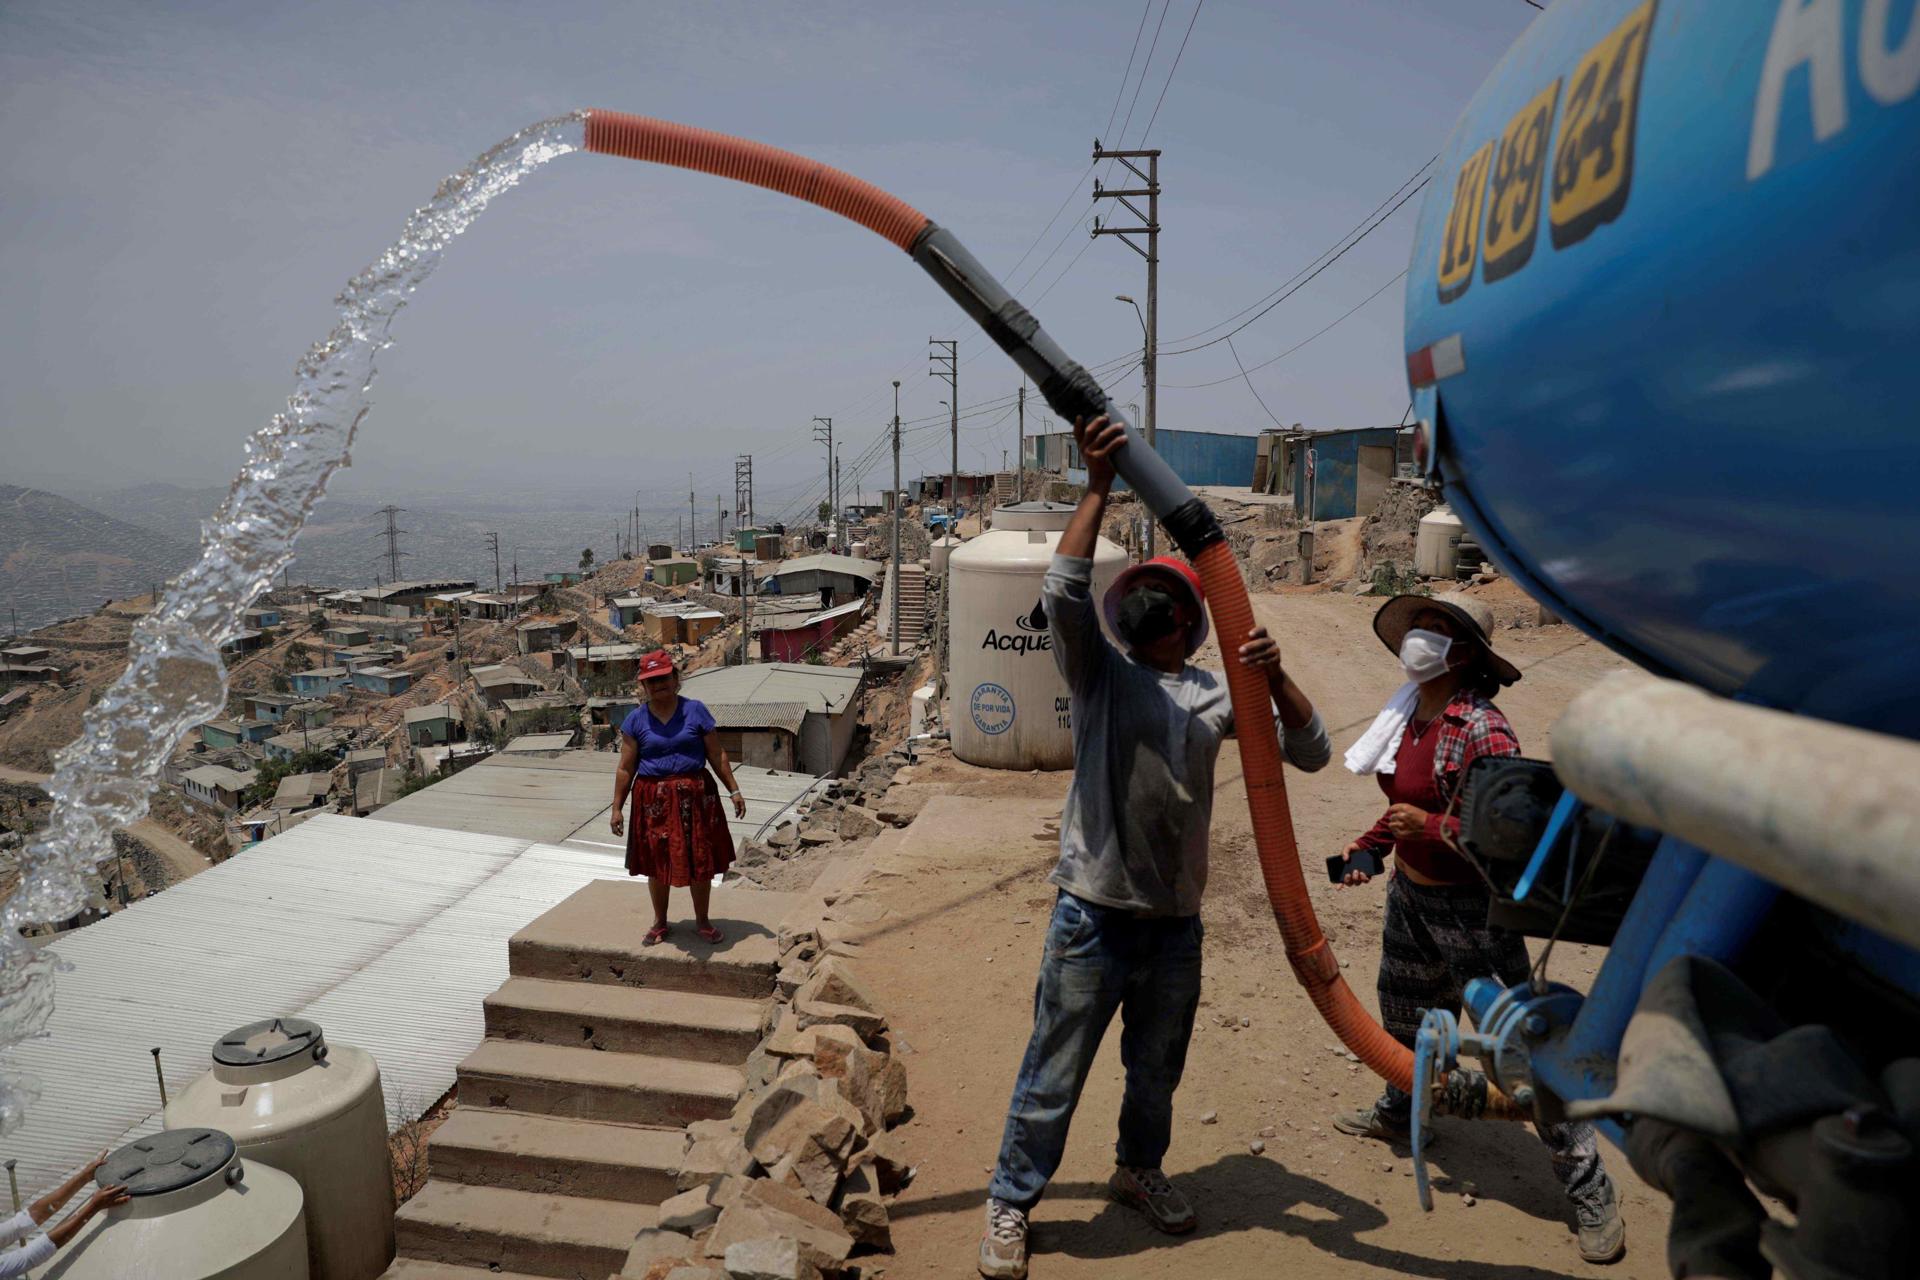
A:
(1436, 935)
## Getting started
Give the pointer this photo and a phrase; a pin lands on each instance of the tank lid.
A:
(1033, 515)
(269, 1040)
(168, 1161)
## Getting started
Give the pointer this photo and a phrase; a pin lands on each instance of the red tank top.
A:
(1413, 782)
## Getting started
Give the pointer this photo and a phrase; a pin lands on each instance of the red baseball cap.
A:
(656, 664)
(1172, 571)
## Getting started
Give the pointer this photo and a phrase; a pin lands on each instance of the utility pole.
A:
(839, 509)
(895, 503)
(1149, 228)
(946, 365)
(1020, 454)
(719, 520)
(823, 434)
(493, 545)
(746, 613)
(693, 521)
(392, 535)
(743, 491)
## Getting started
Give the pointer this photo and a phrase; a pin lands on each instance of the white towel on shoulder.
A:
(1378, 746)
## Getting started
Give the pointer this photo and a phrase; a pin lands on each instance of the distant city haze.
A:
(190, 184)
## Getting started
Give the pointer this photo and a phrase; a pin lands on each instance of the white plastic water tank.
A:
(943, 549)
(1433, 543)
(199, 1212)
(316, 1112)
(1011, 707)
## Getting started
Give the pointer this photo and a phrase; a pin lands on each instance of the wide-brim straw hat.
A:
(1396, 616)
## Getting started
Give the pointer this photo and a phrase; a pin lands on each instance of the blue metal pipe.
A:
(1721, 912)
(1592, 1043)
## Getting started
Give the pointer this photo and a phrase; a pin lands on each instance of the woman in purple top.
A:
(678, 834)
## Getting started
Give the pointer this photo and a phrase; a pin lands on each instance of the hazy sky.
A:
(188, 185)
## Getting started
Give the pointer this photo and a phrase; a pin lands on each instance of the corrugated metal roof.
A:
(759, 715)
(829, 689)
(564, 799)
(432, 711)
(214, 775)
(850, 565)
(341, 920)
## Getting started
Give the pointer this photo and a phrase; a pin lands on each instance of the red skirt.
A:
(676, 830)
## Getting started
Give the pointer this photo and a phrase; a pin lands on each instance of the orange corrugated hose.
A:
(1313, 960)
(664, 142)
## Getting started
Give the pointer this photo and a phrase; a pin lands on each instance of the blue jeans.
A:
(1099, 960)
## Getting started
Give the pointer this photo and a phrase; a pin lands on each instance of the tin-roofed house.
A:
(430, 725)
(541, 635)
(829, 695)
(499, 682)
(625, 610)
(791, 639)
(763, 734)
(318, 682)
(604, 662)
(301, 791)
(386, 681)
(835, 579)
(216, 785)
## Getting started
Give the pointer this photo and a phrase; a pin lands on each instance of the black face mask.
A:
(1147, 615)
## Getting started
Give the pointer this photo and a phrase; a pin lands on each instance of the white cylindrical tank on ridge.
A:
(1433, 543)
(943, 549)
(199, 1211)
(314, 1111)
(1010, 705)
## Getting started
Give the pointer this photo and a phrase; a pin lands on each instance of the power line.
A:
(1142, 82)
(1176, 66)
(1191, 386)
(1367, 226)
(1128, 73)
(1249, 381)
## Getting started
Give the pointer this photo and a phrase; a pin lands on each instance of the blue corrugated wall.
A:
(1197, 457)
(1336, 484)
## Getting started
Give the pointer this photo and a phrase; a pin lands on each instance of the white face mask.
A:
(1423, 654)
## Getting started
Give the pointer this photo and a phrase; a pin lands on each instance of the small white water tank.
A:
(1011, 707)
(943, 548)
(1433, 545)
(314, 1111)
(199, 1212)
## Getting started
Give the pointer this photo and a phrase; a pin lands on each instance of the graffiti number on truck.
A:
(1593, 165)
(1462, 232)
(1513, 200)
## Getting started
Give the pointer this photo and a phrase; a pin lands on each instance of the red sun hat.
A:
(656, 664)
(1172, 571)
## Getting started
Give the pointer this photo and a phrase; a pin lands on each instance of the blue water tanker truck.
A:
(1661, 322)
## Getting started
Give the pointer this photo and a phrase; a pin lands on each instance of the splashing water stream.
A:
(175, 678)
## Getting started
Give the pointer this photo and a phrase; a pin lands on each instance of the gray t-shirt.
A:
(1135, 831)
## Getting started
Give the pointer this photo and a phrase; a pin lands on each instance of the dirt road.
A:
(954, 963)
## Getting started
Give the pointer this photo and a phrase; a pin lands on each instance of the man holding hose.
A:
(1125, 933)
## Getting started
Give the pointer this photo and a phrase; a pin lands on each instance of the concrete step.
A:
(586, 1084)
(518, 1231)
(593, 1015)
(521, 1152)
(594, 936)
(421, 1269)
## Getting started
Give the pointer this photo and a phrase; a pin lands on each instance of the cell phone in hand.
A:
(1359, 860)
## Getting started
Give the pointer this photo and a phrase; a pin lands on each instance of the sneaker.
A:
(1603, 1236)
(1149, 1191)
(1003, 1248)
(1372, 1122)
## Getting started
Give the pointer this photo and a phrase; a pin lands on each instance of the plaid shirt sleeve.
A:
(1474, 728)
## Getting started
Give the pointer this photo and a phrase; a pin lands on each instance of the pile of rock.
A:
(797, 1179)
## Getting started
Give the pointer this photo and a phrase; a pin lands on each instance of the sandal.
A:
(707, 933)
(655, 936)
